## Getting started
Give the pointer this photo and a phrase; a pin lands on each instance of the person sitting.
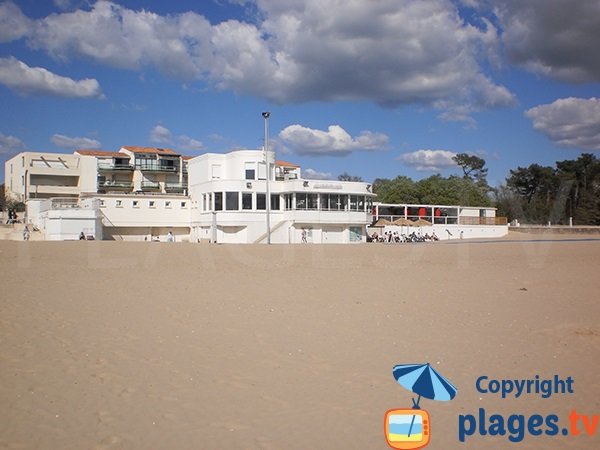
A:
(81, 236)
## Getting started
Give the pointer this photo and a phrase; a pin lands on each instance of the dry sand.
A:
(183, 346)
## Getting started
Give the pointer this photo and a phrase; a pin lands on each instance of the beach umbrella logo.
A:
(409, 428)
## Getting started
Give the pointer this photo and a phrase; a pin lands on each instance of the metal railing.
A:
(150, 185)
(115, 184)
(110, 166)
(156, 168)
(175, 187)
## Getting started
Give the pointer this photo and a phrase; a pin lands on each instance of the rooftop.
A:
(101, 153)
(152, 150)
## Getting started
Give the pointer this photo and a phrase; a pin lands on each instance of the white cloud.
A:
(311, 174)
(63, 4)
(391, 52)
(161, 135)
(569, 122)
(556, 38)
(26, 80)
(433, 160)
(13, 23)
(188, 143)
(10, 144)
(334, 142)
(74, 142)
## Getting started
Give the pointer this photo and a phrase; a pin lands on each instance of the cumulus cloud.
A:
(391, 52)
(312, 174)
(10, 145)
(188, 143)
(334, 142)
(26, 80)
(569, 122)
(433, 160)
(74, 142)
(160, 135)
(13, 23)
(556, 38)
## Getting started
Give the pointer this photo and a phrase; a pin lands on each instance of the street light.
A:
(266, 115)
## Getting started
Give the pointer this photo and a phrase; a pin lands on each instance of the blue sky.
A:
(375, 88)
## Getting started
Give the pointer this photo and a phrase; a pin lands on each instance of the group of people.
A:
(12, 217)
(393, 237)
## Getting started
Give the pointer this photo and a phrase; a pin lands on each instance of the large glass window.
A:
(353, 203)
(288, 201)
(246, 201)
(261, 201)
(218, 201)
(275, 202)
(300, 201)
(232, 201)
(313, 201)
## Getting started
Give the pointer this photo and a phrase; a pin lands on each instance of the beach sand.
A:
(197, 346)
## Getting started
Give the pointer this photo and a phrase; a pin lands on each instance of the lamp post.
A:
(266, 115)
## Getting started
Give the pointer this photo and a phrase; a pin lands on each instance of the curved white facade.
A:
(229, 204)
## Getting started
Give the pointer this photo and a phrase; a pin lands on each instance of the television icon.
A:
(407, 429)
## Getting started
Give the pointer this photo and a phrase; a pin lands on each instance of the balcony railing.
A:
(111, 166)
(156, 168)
(175, 187)
(115, 184)
(150, 185)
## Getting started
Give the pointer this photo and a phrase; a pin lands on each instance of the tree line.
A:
(535, 194)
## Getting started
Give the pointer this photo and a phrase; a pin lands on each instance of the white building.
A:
(141, 193)
(447, 222)
(229, 202)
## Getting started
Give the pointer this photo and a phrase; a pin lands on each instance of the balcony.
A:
(114, 167)
(115, 185)
(150, 186)
(175, 188)
(156, 167)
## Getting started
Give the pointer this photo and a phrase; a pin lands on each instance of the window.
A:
(204, 207)
(261, 202)
(353, 202)
(218, 201)
(288, 201)
(275, 202)
(262, 171)
(167, 204)
(232, 201)
(216, 171)
(312, 201)
(152, 204)
(119, 203)
(300, 201)
(250, 169)
(246, 201)
(136, 204)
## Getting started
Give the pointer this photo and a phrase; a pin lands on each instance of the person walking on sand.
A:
(170, 237)
(26, 233)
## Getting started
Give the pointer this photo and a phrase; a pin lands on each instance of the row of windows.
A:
(236, 201)
(167, 204)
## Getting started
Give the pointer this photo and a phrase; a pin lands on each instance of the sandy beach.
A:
(196, 346)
